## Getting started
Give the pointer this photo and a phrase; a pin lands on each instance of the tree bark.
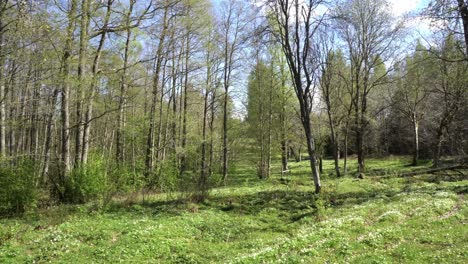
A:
(438, 148)
(203, 172)
(225, 136)
(463, 10)
(2, 87)
(65, 70)
(184, 105)
(313, 160)
(211, 125)
(82, 57)
(119, 144)
(149, 162)
(334, 143)
(416, 142)
(345, 151)
(48, 137)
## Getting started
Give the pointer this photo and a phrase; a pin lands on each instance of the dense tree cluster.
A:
(105, 97)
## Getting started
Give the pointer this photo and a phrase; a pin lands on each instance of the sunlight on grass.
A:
(374, 220)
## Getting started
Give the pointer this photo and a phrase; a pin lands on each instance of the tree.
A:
(294, 27)
(454, 17)
(65, 90)
(333, 89)
(450, 91)
(370, 35)
(283, 103)
(259, 114)
(414, 89)
(149, 163)
(233, 26)
(212, 63)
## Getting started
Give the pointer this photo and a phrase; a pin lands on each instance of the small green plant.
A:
(18, 191)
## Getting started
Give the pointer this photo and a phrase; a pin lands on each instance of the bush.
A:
(87, 183)
(18, 191)
(100, 180)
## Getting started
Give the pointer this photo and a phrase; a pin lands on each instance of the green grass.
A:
(419, 219)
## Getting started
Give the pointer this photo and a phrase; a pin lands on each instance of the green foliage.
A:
(374, 220)
(101, 179)
(168, 179)
(18, 191)
(87, 183)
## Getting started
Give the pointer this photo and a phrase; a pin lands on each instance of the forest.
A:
(233, 131)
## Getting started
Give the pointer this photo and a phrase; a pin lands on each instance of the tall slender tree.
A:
(295, 26)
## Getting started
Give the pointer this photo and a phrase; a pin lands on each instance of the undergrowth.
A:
(416, 219)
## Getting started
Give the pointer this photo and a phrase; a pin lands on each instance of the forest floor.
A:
(417, 219)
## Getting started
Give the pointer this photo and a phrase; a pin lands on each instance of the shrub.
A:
(18, 191)
(87, 183)
(100, 179)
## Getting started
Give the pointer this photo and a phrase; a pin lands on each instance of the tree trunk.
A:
(94, 81)
(437, 148)
(85, 18)
(463, 10)
(48, 137)
(212, 116)
(34, 116)
(297, 157)
(203, 177)
(416, 143)
(160, 121)
(174, 103)
(12, 106)
(225, 136)
(184, 106)
(334, 142)
(313, 162)
(119, 144)
(310, 145)
(2, 90)
(284, 155)
(345, 151)
(320, 164)
(65, 151)
(270, 123)
(149, 162)
(360, 150)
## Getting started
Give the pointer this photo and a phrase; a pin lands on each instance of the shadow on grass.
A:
(292, 205)
(285, 204)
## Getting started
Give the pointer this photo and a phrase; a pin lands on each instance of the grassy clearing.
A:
(388, 220)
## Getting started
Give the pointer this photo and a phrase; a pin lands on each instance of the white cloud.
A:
(401, 7)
